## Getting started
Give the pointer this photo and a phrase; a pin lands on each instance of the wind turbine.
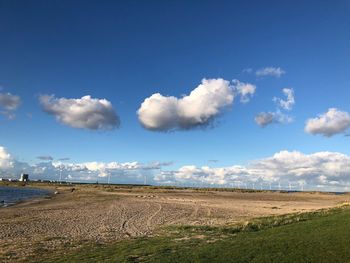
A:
(60, 173)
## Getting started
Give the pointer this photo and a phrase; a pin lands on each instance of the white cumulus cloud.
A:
(245, 90)
(202, 105)
(85, 113)
(324, 170)
(264, 119)
(126, 172)
(320, 170)
(270, 71)
(6, 161)
(289, 102)
(330, 123)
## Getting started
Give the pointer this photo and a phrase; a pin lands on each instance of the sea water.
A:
(12, 195)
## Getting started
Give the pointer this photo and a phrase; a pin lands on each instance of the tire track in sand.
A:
(149, 220)
(128, 223)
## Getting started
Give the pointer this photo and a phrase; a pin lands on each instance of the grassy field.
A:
(322, 236)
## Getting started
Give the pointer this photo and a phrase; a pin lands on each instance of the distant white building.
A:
(12, 180)
(24, 178)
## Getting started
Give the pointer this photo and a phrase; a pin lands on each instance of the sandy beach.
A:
(103, 214)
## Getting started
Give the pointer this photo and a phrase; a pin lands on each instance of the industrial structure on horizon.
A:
(24, 178)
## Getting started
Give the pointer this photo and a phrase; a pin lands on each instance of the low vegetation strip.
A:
(258, 223)
(321, 236)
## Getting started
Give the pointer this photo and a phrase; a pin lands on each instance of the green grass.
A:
(322, 236)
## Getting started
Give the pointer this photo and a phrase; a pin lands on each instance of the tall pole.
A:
(60, 173)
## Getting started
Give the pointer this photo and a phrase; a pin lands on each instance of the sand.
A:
(108, 214)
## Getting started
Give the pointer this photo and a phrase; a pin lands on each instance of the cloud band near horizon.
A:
(320, 170)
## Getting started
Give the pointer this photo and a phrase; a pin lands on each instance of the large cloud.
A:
(330, 123)
(207, 101)
(270, 71)
(9, 103)
(86, 113)
(321, 170)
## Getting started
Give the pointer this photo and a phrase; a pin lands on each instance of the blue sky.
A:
(128, 50)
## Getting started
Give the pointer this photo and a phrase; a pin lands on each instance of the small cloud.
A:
(245, 90)
(265, 118)
(45, 158)
(289, 102)
(9, 104)
(270, 71)
(8, 115)
(160, 164)
(64, 159)
(247, 70)
(84, 113)
(330, 123)
(157, 165)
